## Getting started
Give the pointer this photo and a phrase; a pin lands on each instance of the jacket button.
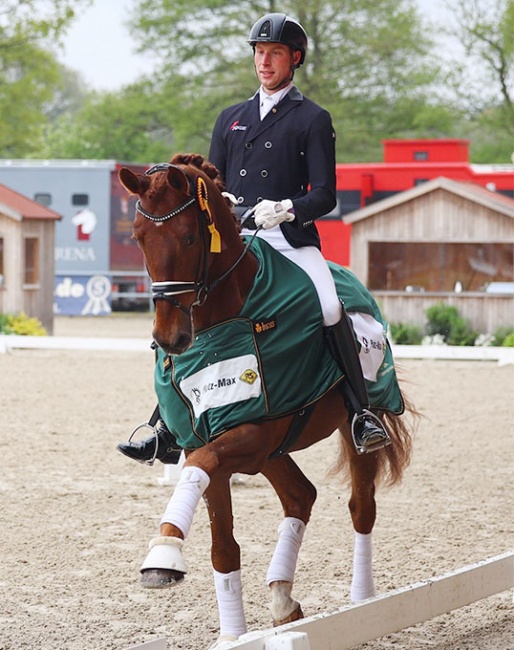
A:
(248, 145)
(242, 172)
(240, 199)
(264, 173)
(268, 145)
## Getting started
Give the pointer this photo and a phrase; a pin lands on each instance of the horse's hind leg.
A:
(297, 496)
(363, 512)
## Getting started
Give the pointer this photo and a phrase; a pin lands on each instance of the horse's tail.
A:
(393, 459)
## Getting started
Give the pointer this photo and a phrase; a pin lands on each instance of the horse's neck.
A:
(227, 298)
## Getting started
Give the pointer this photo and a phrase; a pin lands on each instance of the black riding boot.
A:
(368, 432)
(161, 445)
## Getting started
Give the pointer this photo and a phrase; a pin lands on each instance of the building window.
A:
(80, 199)
(420, 266)
(43, 198)
(31, 274)
(420, 155)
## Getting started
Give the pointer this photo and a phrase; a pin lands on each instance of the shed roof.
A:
(471, 191)
(19, 207)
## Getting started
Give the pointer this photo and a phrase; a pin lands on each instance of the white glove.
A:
(269, 214)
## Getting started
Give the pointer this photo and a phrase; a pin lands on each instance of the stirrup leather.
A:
(360, 445)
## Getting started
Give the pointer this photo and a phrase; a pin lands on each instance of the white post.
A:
(172, 472)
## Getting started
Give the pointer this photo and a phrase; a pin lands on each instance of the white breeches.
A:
(310, 259)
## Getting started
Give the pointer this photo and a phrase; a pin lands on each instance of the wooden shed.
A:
(441, 241)
(27, 257)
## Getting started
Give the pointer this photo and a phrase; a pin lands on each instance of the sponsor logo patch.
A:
(226, 382)
(265, 325)
(235, 126)
(249, 376)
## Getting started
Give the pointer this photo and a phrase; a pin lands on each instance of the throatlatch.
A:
(368, 432)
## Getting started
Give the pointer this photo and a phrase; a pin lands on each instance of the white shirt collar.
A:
(267, 102)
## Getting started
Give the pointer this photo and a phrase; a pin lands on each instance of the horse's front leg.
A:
(243, 449)
(362, 507)
(164, 564)
(226, 560)
(297, 496)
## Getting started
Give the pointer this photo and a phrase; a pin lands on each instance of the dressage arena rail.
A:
(356, 624)
(9, 342)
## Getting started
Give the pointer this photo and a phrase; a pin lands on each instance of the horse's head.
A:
(181, 239)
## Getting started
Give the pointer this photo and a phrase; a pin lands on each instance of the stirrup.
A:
(359, 444)
(146, 425)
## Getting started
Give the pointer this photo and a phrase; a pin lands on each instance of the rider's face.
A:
(273, 62)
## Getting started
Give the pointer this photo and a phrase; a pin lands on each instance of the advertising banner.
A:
(82, 295)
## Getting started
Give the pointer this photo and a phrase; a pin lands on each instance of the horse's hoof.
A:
(295, 615)
(160, 578)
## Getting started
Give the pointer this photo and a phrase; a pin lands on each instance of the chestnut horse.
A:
(201, 273)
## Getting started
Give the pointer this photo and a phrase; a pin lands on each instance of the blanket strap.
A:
(296, 427)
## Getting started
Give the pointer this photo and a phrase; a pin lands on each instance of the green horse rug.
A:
(271, 360)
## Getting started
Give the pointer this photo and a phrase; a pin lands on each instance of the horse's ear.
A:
(134, 183)
(178, 179)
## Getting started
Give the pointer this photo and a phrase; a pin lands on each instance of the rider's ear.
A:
(178, 180)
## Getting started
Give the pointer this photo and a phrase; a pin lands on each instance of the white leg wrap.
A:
(283, 563)
(362, 583)
(187, 493)
(165, 553)
(229, 593)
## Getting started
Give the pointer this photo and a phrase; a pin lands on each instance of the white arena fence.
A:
(402, 608)
(9, 342)
(356, 624)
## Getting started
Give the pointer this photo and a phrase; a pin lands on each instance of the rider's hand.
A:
(270, 213)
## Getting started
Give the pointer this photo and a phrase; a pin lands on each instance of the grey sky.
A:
(100, 48)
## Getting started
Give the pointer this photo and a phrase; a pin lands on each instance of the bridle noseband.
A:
(167, 290)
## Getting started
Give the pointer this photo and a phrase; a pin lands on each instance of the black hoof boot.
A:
(161, 445)
(368, 433)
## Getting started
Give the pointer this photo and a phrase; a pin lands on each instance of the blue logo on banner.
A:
(78, 295)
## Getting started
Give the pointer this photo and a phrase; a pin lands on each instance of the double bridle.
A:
(167, 290)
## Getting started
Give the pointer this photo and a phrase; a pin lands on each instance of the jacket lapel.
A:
(291, 101)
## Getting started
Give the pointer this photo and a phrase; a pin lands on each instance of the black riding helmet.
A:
(279, 28)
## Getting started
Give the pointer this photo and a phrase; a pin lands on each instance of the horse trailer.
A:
(97, 265)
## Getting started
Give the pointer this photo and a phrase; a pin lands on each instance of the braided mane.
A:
(199, 161)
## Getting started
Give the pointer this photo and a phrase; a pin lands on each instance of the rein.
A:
(167, 290)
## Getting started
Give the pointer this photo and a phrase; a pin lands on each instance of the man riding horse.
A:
(276, 153)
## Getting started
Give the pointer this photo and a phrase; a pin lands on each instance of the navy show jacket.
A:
(290, 154)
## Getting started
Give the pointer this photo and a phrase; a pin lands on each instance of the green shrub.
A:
(446, 321)
(501, 334)
(508, 341)
(404, 334)
(21, 324)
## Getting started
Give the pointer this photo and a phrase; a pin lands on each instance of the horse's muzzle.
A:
(176, 346)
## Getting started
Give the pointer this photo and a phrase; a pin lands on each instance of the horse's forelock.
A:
(198, 161)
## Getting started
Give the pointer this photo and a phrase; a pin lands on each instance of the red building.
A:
(407, 163)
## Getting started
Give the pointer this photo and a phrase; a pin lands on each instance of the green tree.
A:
(125, 125)
(29, 71)
(368, 63)
(485, 77)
